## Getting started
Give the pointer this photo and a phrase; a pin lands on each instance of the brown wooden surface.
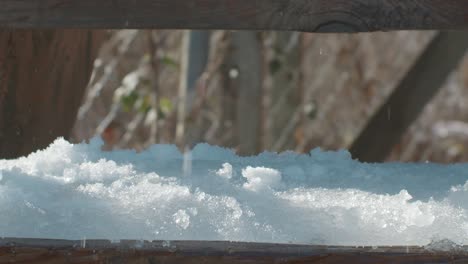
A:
(246, 59)
(103, 251)
(43, 76)
(386, 127)
(302, 15)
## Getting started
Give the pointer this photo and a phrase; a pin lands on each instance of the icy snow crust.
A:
(77, 191)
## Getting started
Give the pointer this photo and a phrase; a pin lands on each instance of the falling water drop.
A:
(187, 164)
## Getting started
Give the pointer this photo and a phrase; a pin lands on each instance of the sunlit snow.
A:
(77, 191)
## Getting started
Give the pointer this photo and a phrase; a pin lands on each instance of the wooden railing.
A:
(298, 15)
(211, 252)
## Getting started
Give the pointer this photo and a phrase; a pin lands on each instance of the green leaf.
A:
(168, 61)
(165, 105)
(145, 104)
(129, 100)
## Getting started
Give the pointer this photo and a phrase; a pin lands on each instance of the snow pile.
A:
(75, 191)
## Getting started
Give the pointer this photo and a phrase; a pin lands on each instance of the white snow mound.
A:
(74, 191)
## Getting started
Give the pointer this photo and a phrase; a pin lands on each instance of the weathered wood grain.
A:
(43, 76)
(300, 15)
(103, 251)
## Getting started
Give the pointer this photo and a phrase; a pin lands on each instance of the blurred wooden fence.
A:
(56, 54)
(386, 127)
(34, 65)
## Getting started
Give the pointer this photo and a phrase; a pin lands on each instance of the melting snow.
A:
(73, 191)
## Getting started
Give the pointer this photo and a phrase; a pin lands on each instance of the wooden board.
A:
(403, 106)
(43, 76)
(16, 250)
(300, 15)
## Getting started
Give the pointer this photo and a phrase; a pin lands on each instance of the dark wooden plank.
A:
(406, 102)
(301, 15)
(15, 250)
(43, 76)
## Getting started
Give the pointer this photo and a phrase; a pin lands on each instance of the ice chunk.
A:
(444, 245)
(224, 172)
(261, 178)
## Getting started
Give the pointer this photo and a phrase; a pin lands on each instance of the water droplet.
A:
(233, 73)
(187, 163)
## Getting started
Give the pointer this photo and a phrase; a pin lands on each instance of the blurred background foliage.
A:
(256, 91)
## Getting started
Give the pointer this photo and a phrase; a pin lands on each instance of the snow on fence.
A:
(324, 198)
(78, 193)
(300, 15)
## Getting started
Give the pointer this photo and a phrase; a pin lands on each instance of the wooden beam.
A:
(211, 252)
(246, 59)
(299, 15)
(43, 77)
(384, 130)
